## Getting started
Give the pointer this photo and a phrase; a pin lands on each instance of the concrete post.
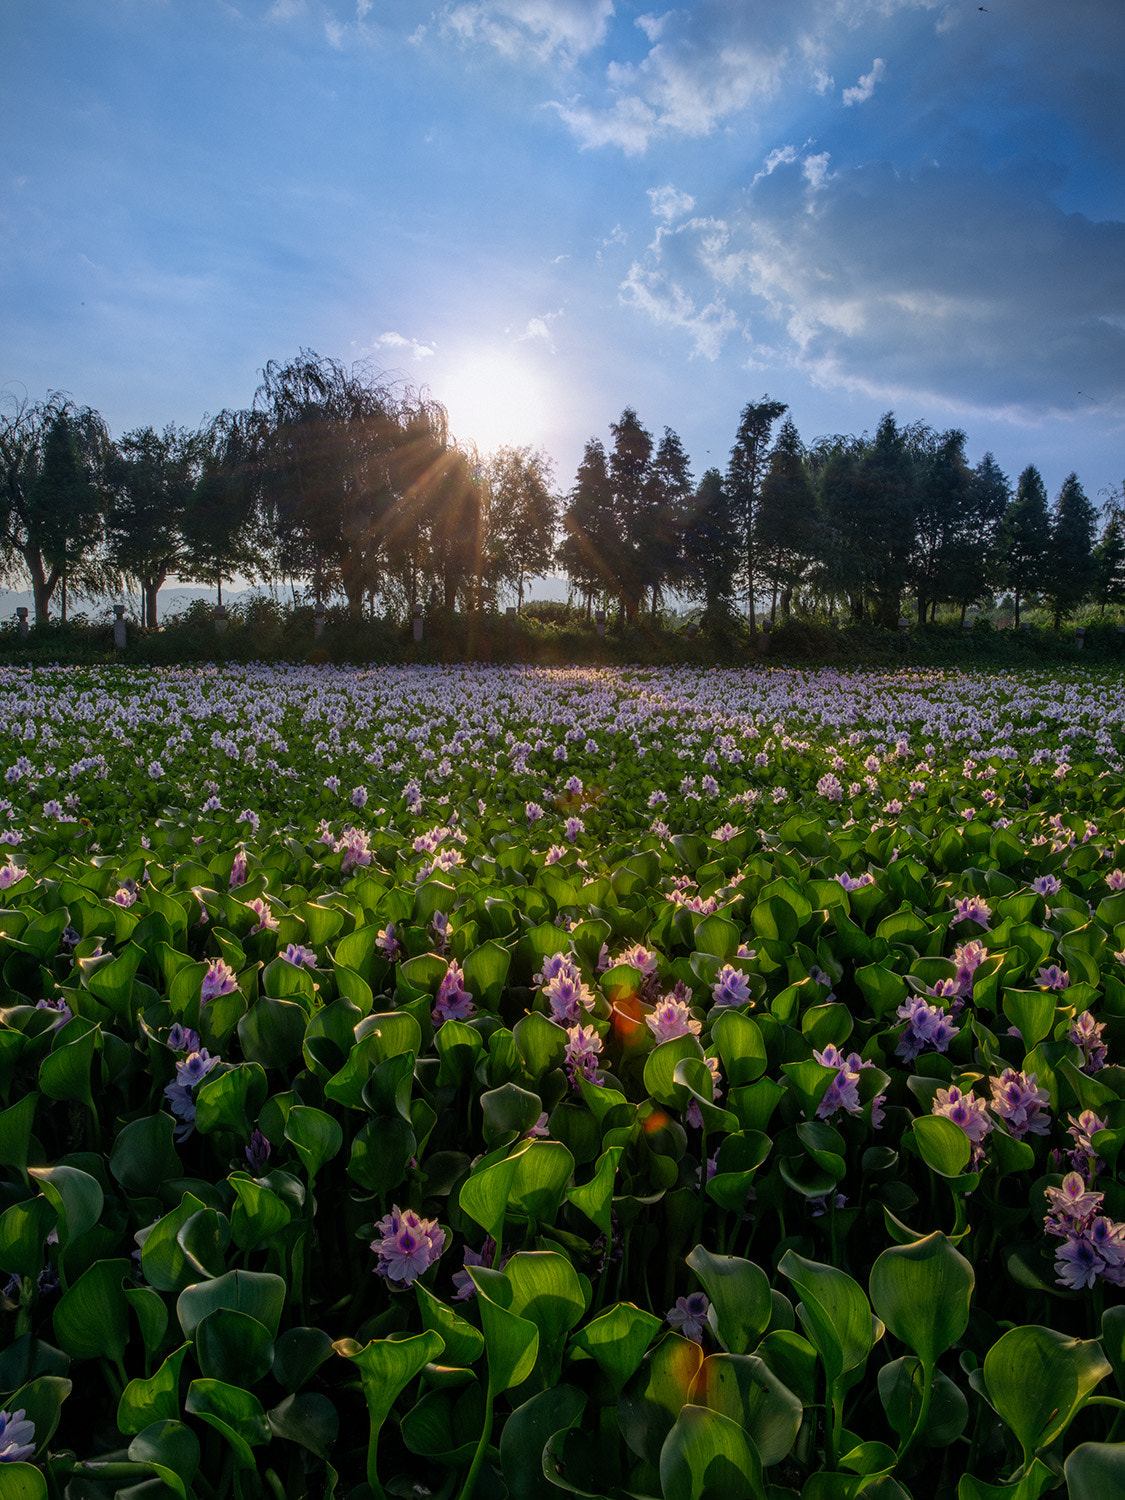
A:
(119, 631)
(319, 616)
(417, 622)
(220, 619)
(599, 621)
(23, 629)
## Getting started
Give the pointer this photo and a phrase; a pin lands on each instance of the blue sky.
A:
(546, 210)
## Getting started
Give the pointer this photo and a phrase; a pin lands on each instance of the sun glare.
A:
(495, 397)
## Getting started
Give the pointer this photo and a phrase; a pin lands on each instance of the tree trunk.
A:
(62, 599)
(1016, 596)
(42, 585)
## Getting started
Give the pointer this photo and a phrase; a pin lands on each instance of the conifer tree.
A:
(1024, 537)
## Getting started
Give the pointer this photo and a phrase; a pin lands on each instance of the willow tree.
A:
(51, 459)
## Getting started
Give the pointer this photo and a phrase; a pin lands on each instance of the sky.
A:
(545, 211)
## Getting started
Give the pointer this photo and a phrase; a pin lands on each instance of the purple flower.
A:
(466, 1286)
(927, 1027)
(266, 922)
(583, 1048)
(693, 1115)
(183, 1039)
(295, 954)
(124, 895)
(407, 1245)
(1116, 880)
(220, 979)
(1083, 1158)
(730, 987)
(62, 1010)
(829, 786)
(672, 1018)
(842, 1092)
(853, 883)
(1046, 885)
(967, 1112)
(454, 1002)
(17, 1437)
(1086, 1034)
(1053, 978)
(689, 1316)
(1020, 1103)
(258, 1152)
(968, 957)
(238, 871)
(179, 1093)
(973, 909)
(1070, 1204)
(387, 941)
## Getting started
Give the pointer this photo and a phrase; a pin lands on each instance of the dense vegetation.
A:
(483, 1081)
(352, 489)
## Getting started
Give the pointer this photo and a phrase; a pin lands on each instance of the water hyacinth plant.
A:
(473, 1082)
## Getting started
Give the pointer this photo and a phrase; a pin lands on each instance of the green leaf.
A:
(595, 1198)
(706, 1456)
(143, 1157)
(1096, 1471)
(740, 1297)
(298, 1354)
(617, 1340)
(233, 1347)
(540, 1044)
(271, 1032)
(526, 1433)
(902, 1384)
(204, 1238)
(654, 1397)
(1038, 1379)
(65, 1072)
(486, 973)
(154, 1400)
(1034, 1483)
(15, 1133)
(75, 1196)
(942, 1145)
(307, 1418)
(258, 1293)
(511, 1342)
(173, 1451)
(745, 1389)
(484, 1195)
(42, 1399)
(464, 1344)
(834, 1311)
(19, 1481)
(387, 1366)
(231, 1100)
(316, 1137)
(92, 1317)
(508, 1112)
(660, 1069)
(162, 1258)
(233, 1412)
(547, 1291)
(151, 1314)
(257, 1213)
(922, 1293)
(24, 1228)
(1032, 1013)
(543, 1169)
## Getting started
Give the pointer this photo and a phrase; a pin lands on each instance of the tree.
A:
(522, 514)
(745, 471)
(1070, 564)
(972, 552)
(1023, 538)
(151, 476)
(942, 517)
(630, 555)
(1109, 564)
(589, 524)
(47, 521)
(68, 505)
(787, 530)
(671, 494)
(221, 530)
(710, 550)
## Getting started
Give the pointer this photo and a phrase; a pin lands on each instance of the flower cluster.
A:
(1092, 1245)
(927, 1028)
(454, 1002)
(843, 1091)
(406, 1245)
(190, 1072)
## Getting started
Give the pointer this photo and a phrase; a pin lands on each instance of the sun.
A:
(496, 397)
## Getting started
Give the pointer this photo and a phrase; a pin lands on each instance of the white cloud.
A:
(416, 348)
(665, 302)
(862, 91)
(543, 28)
(822, 81)
(538, 330)
(668, 203)
(652, 25)
(960, 286)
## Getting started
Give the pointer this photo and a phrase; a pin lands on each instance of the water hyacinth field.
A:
(481, 1082)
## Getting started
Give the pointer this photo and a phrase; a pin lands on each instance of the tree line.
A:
(340, 483)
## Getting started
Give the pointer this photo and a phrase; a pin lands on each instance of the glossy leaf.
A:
(1038, 1379)
(155, 1399)
(834, 1311)
(745, 1389)
(739, 1292)
(707, 1456)
(922, 1293)
(617, 1340)
(257, 1293)
(235, 1413)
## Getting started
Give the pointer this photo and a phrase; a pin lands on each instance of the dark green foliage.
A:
(1024, 537)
